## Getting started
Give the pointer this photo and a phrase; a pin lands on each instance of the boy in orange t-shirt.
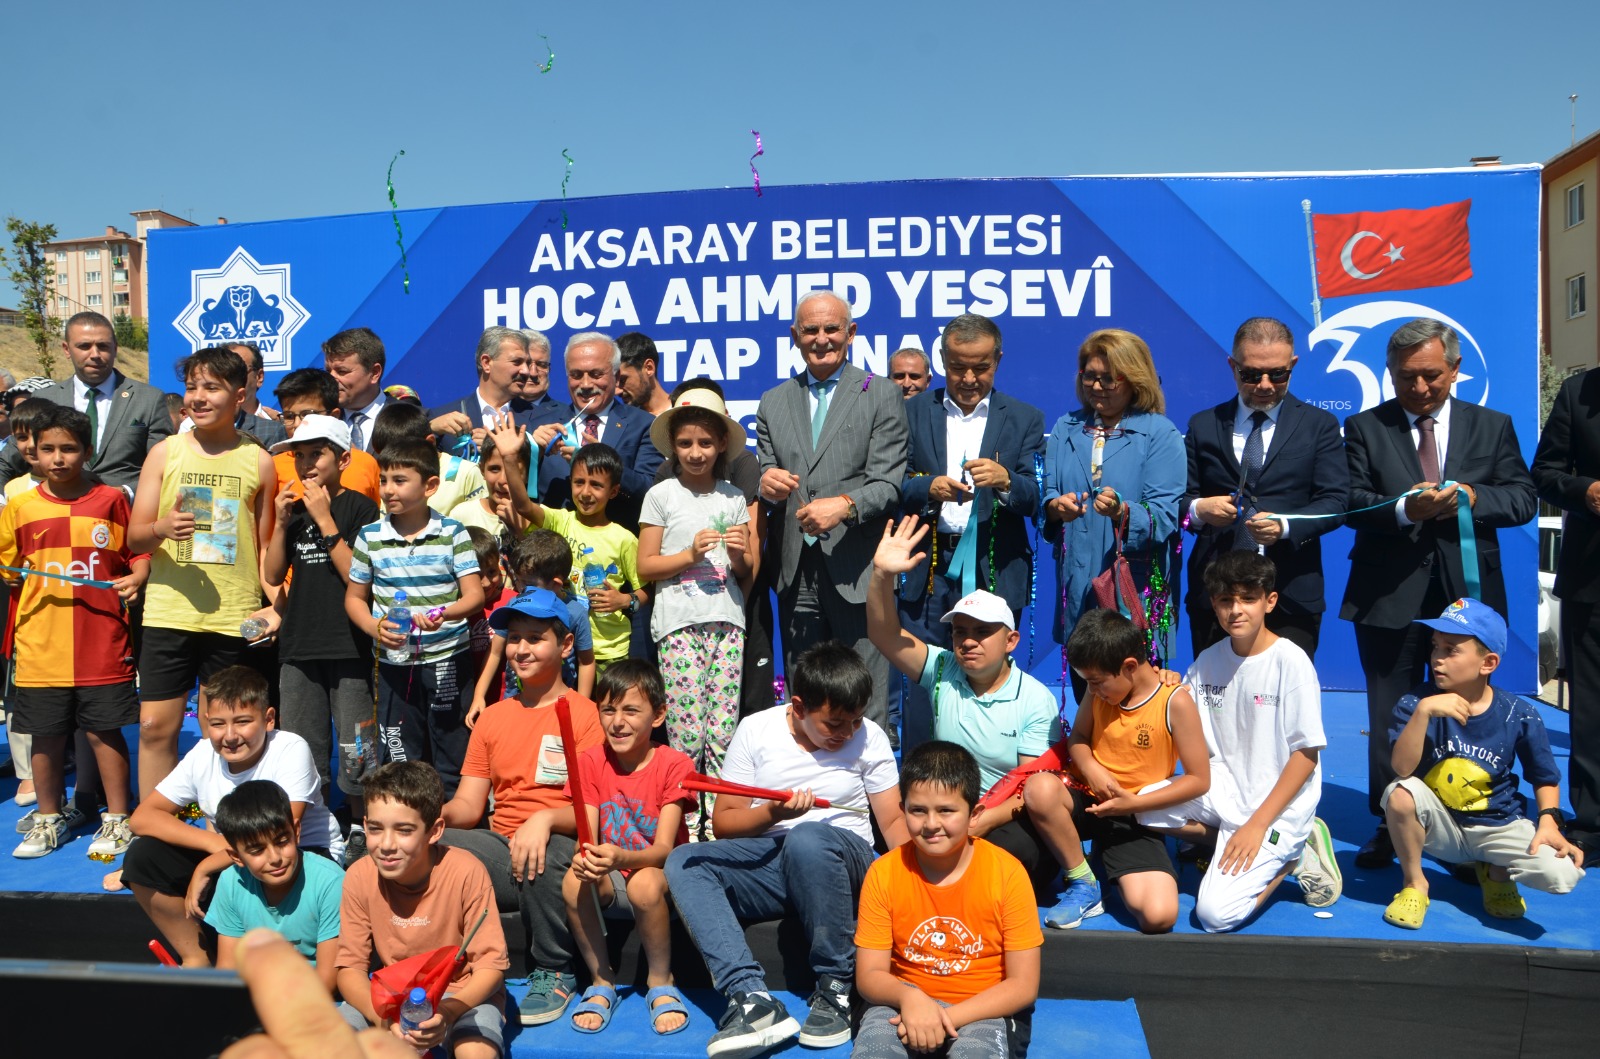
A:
(947, 936)
(515, 752)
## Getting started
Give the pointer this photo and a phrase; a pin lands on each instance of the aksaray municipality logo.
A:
(243, 301)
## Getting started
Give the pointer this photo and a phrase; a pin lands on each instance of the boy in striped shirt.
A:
(74, 660)
(423, 700)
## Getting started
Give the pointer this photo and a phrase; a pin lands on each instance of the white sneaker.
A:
(1318, 871)
(48, 833)
(70, 814)
(112, 840)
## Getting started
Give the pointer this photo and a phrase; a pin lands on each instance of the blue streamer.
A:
(964, 563)
(30, 572)
(1469, 547)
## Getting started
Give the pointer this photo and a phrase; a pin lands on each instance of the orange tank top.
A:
(1135, 744)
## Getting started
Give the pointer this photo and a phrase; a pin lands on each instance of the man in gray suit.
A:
(832, 443)
(128, 417)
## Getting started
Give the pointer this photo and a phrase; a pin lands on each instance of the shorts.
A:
(485, 1022)
(170, 660)
(1124, 847)
(161, 866)
(59, 711)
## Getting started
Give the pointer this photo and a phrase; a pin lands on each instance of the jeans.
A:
(813, 871)
(538, 898)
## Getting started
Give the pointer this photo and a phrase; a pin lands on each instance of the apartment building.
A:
(107, 273)
(1571, 256)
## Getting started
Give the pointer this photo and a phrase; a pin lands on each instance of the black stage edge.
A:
(1198, 995)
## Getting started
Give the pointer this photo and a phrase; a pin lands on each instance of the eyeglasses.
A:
(1252, 375)
(1104, 382)
(295, 417)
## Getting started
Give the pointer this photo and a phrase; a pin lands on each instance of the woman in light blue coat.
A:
(1116, 458)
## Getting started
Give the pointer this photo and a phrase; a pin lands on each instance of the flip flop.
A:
(1502, 900)
(588, 1005)
(1407, 909)
(674, 1003)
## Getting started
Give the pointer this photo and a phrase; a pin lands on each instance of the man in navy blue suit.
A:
(502, 362)
(591, 362)
(970, 472)
(535, 387)
(1408, 561)
(1238, 486)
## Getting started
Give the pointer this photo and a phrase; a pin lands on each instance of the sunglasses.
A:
(1251, 375)
(1104, 382)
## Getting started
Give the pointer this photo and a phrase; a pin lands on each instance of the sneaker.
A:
(70, 814)
(752, 1024)
(828, 1023)
(547, 997)
(355, 847)
(48, 832)
(1081, 901)
(112, 840)
(1318, 871)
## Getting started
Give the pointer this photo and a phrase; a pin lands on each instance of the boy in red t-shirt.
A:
(636, 810)
(947, 938)
(515, 752)
(74, 659)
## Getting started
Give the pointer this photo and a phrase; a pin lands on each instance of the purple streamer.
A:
(754, 172)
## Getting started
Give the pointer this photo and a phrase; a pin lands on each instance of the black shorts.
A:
(163, 867)
(170, 660)
(1125, 848)
(60, 711)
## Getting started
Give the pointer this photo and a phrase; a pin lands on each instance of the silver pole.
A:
(1311, 249)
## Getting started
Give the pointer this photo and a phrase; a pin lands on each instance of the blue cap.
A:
(1471, 617)
(534, 603)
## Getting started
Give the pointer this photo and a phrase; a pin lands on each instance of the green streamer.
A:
(566, 177)
(394, 214)
(549, 63)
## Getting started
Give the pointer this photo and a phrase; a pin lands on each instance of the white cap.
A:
(984, 606)
(317, 428)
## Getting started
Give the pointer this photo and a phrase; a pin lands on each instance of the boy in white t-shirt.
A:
(1261, 710)
(172, 865)
(774, 859)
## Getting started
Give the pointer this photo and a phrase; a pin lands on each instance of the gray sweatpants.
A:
(318, 693)
(985, 1039)
(544, 911)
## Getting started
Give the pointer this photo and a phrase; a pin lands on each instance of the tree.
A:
(31, 274)
(1550, 380)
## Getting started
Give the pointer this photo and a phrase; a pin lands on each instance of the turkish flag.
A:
(1358, 253)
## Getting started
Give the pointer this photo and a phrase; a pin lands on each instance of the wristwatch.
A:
(1561, 817)
(327, 543)
(633, 605)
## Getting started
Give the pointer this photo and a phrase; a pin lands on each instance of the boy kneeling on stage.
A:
(1456, 798)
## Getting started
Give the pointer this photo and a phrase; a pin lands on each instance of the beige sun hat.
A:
(696, 397)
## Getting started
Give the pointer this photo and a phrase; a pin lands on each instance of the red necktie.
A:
(1427, 450)
(591, 429)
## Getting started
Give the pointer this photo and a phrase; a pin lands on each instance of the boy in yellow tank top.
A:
(202, 510)
(1130, 734)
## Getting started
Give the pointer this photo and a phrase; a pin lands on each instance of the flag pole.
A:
(1311, 248)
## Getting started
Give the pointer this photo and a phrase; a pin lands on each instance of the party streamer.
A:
(754, 172)
(564, 179)
(399, 236)
(549, 63)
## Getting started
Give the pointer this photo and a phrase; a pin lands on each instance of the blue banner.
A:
(712, 276)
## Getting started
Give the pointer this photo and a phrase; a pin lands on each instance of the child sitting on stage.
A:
(271, 884)
(785, 858)
(410, 896)
(947, 946)
(636, 814)
(1261, 710)
(1456, 798)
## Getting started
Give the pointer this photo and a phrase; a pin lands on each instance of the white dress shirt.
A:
(963, 438)
(487, 412)
(102, 404)
(1441, 442)
(362, 431)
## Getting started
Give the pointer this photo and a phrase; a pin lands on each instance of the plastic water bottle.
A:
(400, 615)
(253, 630)
(415, 1011)
(594, 575)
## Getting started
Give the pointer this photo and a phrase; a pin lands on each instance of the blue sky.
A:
(259, 112)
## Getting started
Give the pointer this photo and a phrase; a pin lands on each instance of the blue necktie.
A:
(819, 415)
(1250, 472)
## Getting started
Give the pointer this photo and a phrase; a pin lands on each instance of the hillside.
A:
(18, 355)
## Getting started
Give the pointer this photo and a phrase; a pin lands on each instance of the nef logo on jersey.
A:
(243, 301)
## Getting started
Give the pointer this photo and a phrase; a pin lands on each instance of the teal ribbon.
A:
(29, 572)
(1469, 548)
(963, 564)
(535, 457)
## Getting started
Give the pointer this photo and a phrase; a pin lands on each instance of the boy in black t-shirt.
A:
(326, 662)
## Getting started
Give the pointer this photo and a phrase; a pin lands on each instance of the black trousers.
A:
(1395, 661)
(1580, 645)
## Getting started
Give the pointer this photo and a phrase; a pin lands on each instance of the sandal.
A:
(590, 1005)
(1407, 909)
(674, 1003)
(1502, 900)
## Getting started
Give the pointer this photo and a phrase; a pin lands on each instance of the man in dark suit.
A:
(591, 361)
(128, 417)
(535, 386)
(356, 360)
(970, 470)
(1566, 470)
(502, 361)
(832, 445)
(1281, 456)
(1407, 562)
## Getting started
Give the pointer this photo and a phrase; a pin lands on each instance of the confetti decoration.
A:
(546, 66)
(754, 172)
(564, 179)
(394, 214)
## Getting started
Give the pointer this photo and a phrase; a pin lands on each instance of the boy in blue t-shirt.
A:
(1457, 798)
(271, 884)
